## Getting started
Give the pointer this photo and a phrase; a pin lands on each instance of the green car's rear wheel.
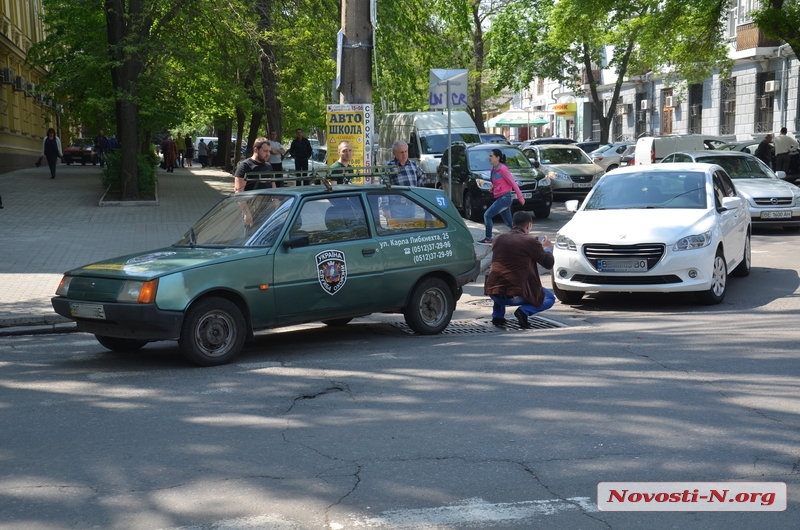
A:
(213, 332)
(430, 307)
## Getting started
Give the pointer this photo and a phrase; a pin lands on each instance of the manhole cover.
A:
(467, 327)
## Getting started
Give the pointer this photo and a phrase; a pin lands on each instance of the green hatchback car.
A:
(278, 257)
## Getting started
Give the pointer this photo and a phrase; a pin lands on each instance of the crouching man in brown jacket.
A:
(514, 278)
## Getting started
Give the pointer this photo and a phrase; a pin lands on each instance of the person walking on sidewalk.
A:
(189, 150)
(503, 188)
(51, 150)
(300, 149)
(170, 150)
(514, 275)
(100, 147)
(202, 153)
(276, 156)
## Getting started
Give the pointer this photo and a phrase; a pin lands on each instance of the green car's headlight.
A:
(134, 292)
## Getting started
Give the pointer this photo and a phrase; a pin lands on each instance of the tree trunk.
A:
(124, 74)
(255, 125)
(269, 81)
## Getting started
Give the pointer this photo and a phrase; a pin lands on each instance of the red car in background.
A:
(81, 150)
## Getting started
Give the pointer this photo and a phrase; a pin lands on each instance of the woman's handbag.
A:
(39, 162)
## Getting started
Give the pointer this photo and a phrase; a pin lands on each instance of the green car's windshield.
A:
(479, 158)
(662, 189)
(241, 220)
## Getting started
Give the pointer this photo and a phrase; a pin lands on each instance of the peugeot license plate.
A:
(622, 265)
(583, 184)
(775, 214)
(527, 194)
(87, 311)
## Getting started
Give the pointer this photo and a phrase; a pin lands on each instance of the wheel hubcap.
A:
(718, 276)
(432, 307)
(214, 334)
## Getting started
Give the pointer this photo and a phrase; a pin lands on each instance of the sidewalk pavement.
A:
(51, 226)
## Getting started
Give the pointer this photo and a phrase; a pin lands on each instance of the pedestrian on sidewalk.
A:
(181, 145)
(170, 150)
(276, 156)
(51, 150)
(503, 188)
(189, 150)
(300, 150)
(202, 153)
(100, 147)
(514, 275)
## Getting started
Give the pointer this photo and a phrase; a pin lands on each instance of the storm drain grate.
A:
(472, 327)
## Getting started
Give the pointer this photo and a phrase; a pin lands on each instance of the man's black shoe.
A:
(499, 322)
(522, 318)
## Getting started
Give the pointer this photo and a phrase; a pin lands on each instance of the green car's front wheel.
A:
(213, 332)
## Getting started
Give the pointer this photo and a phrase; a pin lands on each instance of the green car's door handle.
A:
(368, 251)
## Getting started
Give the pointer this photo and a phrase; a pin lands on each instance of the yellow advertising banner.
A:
(350, 123)
(565, 109)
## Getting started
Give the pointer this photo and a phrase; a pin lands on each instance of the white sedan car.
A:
(659, 228)
(772, 200)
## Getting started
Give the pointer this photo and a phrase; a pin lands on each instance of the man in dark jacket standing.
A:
(514, 277)
(764, 150)
(301, 151)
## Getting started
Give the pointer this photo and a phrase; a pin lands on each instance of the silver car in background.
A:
(772, 200)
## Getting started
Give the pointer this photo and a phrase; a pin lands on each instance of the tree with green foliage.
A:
(780, 20)
(565, 39)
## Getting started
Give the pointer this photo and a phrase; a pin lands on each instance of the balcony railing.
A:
(751, 36)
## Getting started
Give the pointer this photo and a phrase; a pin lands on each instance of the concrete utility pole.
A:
(356, 67)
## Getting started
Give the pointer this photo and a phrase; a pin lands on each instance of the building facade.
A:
(25, 113)
(758, 96)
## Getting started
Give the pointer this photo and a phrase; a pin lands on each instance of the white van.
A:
(426, 135)
(651, 149)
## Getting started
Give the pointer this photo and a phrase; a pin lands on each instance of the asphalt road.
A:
(367, 426)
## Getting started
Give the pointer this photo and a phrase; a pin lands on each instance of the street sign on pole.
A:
(448, 90)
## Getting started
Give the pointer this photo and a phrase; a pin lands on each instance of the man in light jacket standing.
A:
(784, 146)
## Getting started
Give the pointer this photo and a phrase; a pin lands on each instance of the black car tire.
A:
(213, 332)
(120, 345)
(430, 307)
(719, 280)
(470, 210)
(68, 161)
(567, 297)
(337, 321)
(542, 213)
(743, 269)
(612, 166)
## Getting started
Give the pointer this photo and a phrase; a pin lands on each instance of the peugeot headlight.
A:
(484, 184)
(543, 182)
(692, 242)
(565, 243)
(599, 174)
(558, 175)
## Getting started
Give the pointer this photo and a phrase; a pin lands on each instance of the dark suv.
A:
(472, 185)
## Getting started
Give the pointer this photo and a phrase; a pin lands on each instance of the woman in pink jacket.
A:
(503, 188)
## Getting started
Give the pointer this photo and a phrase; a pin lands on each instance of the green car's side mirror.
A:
(297, 241)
